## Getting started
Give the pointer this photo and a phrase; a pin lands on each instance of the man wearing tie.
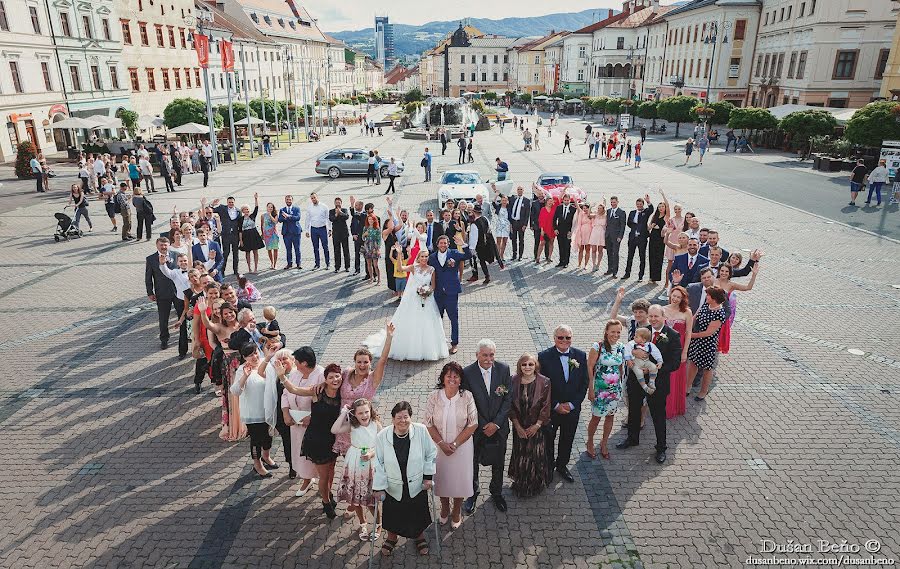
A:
(340, 235)
(209, 253)
(289, 216)
(357, 224)
(615, 230)
(520, 209)
(567, 369)
(433, 230)
(563, 218)
(179, 278)
(637, 239)
(317, 228)
(689, 264)
(161, 289)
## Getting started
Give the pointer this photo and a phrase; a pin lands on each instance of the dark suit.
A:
(197, 253)
(340, 237)
(615, 230)
(230, 233)
(492, 408)
(484, 248)
(517, 229)
(563, 218)
(704, 250)
(163, 288)
(447, 287)
(561, 391)
(357, 224)
(689, 274)
(533, 217)
(433, 232)
(637, 238)
(670, 349)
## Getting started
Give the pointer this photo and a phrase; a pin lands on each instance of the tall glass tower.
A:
(384, 42)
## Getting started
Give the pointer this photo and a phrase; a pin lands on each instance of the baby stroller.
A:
(65, 228)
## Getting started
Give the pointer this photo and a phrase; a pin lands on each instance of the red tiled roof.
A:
(641, 17)
(602, 23)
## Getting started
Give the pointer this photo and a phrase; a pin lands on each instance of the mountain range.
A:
(413, 40)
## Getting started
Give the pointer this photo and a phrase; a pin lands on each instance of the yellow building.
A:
(890, 84)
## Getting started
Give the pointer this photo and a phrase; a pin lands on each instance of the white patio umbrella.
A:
(540, 98)
(555, 99)
(106, 122)
(576, 101)
(190, 128)
(76, 122)
(252, 121)
(148, 121)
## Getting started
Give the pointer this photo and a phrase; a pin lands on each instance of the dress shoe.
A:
(626, 444)
(626, 277)
(292, 474)
(336, 271)
(273, 466)
(299, 267)
(660, 456)
(291, 266)
(316, 267)
(355, 273)
(163, 344)
(181, 356)
(453, 349)
(329, 511)
(499, 502)
(472, 279)
(469, 504)
(197, 389)
(566, 475)
(486, 280)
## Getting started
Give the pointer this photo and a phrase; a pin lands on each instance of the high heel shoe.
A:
(591, 451)
(443, 519)
(456, 524)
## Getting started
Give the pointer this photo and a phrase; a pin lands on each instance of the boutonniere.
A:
(662, 338)
(573, 364)
(501, 391)
(451, 263)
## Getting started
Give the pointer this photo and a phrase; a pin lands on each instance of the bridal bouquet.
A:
(424, 292)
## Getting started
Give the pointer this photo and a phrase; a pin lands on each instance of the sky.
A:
(358, 14)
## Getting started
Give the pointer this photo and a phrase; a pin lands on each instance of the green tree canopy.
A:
(598, 104)
(752, 118)
(721, 112)
(647, 110)
(873, 124)
(413, 95)
(490, 96)
(25, 151)
(257, 106)
(129, 121)
(525, 98)
(183, 111)
(677, 109)
(804, 124)
(614, 106)
(240, 113)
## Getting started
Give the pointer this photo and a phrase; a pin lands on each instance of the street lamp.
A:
(712, 38)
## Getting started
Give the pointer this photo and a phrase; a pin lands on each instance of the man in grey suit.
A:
(697, 291)
(490, 385)
(615, 229)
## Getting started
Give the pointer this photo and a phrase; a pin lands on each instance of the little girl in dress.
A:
(360, 420)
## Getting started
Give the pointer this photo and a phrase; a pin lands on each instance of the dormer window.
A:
(254, 17)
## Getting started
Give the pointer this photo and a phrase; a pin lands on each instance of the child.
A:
(360, 420)
(637, 354)
(628, 152)
(247, 291)
(399, 273)
(637, 155)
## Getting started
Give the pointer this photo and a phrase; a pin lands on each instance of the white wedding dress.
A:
(418, 330)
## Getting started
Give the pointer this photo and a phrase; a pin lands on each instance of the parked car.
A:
(556, 184)
(464, 185)
(350, 161)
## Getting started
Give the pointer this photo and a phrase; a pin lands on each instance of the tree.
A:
(413, 95)
(183, 111)
(129, 121)
(490, 96)
(648, 110)
(525, 98)
(677, 110)
(803, 125)
(477, 105)
(25, 151)
(613, 106)
(721, 112)
(239, 110)
(874, 123)
(599, 104)
(257, 106)
(361, 99)
(752, 118)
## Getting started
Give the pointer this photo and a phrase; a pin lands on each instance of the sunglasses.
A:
(564, 337)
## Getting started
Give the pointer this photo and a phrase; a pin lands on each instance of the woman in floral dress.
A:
(371, 248)
(270, 237)
(360, 422)
(607, 359)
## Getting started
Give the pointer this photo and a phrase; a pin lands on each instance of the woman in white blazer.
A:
(404, 466)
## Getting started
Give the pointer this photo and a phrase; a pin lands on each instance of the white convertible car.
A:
(464, 185)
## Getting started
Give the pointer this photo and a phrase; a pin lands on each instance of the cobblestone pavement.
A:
(114, 462)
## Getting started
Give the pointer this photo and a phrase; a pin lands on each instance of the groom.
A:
(446, 287)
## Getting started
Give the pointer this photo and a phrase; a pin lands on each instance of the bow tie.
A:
(563, 353)
(183, 272)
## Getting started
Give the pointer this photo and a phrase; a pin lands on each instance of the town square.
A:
(481, 304)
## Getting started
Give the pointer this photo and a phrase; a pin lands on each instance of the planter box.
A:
(817, 161)
(847, 165)
(829, 164)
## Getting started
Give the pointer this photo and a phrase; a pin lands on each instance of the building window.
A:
(462, 77)
(197, 76)
(64, 24)
(187, 78)
(802, 9)
(151, 80)
(107, 35)
(734, 67)
(473, 59)
(35, 19)
(506, 59)
(484, 77)
(882, 63)
(495, 77)
(801, 65)
(740, 29)
(789, 12)
(812, 7)
(483, 59)
(506, 77)
(160, 41)
(496, 59)
(580, 75)
(45, 70)
(75, 77)
(838, 103)
(181, 34)
(791, 65)
(766, 23)
(758, 65)
(126, 32)
(473, 77)
(88, 31)
(766, 66)
(135, 82)
(114, 77)
(845, 64)
(171, 37)
(95, 77)
(537, 59)
(462, 58)
(145, 39)
(17, 81)
(691, 72)
(165, 76)
(177, 73)
(778, 70)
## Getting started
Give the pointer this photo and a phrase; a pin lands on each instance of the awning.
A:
(190, 128)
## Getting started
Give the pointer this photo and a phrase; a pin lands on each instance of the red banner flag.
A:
(201, 46)
(227, 55)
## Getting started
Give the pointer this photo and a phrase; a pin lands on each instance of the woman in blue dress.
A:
(607, 359)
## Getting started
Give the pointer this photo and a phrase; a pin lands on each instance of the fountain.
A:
(454, 114)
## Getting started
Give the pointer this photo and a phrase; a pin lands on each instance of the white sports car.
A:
(464, 185)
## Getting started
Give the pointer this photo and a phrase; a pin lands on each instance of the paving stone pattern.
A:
(112, 461)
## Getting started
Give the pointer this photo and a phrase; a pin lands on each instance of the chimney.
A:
(610, 15)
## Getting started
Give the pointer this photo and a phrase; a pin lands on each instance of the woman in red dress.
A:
(679, 318)
(545, 222)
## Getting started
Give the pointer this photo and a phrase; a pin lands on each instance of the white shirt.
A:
(879, 174)
(692, 260)
(486, 376)
(517, 207)
(178, 277)
(233, 213)
(99, 167)
(146, 167)
(473, 236)
(654, 352)
(693, 234)
(208, 263)
(143, 153)
(207, 150)
(442, 257)
(316, 216)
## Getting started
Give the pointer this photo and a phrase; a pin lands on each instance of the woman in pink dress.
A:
(679, 318)
(304, 373)
(581, 234)
(361, 382)
(597, 239)
(221, 330)
(672, 228)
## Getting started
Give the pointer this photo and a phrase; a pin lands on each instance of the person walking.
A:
(878, 177)
(567, 143)
(702, 146)
(502, 169)
(688, 149)
(857, 180)
(443, 136)
(80, 203)
(730, 140)
(461, 143)
(123, 200)
(426, 164)
(393, 171)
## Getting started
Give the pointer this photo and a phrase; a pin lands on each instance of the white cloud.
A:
(356, 14)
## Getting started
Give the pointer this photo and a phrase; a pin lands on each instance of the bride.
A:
(419, 333)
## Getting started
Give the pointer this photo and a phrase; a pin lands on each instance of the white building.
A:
(573, 74)
(31, 96)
